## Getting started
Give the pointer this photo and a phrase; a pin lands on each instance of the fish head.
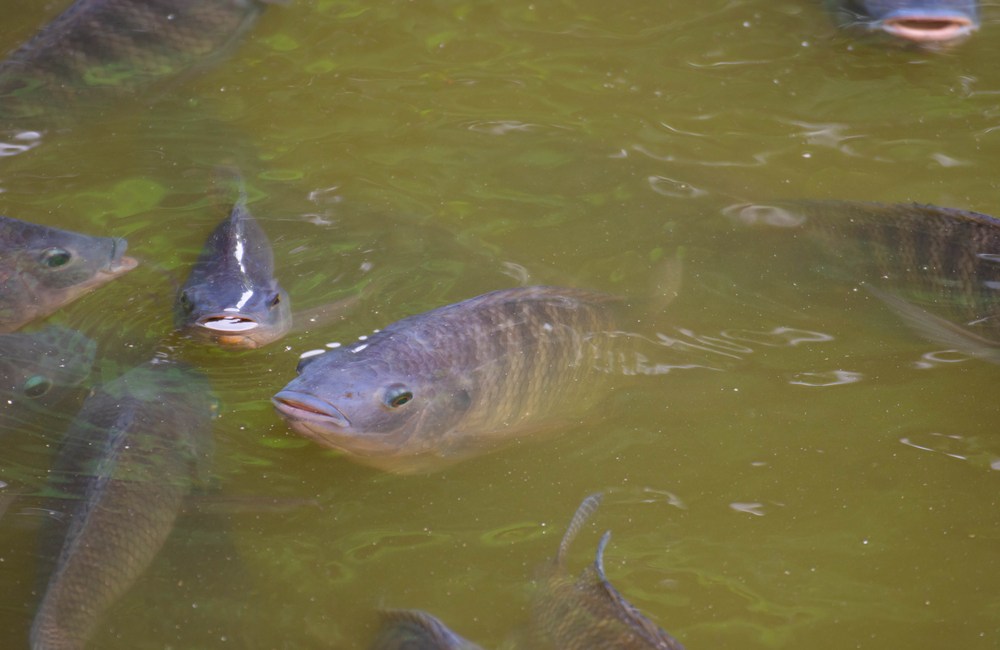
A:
(234, 317)
(374, 405)
(58, 260)
(43, 268)
(927, 23)
(41, 369)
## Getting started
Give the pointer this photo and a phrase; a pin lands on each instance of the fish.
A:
(937, 268)
(458, 381)
(409, 629)
(231, 298)
(99, 49)
(926, 23)
(43, 269)
(133, 453)
(42, 373)
(587, 611)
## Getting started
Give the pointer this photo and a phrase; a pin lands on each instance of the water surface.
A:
(832, 482)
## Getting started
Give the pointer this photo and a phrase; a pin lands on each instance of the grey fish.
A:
(928, 23)
(101, 48)
(231, 296)
(129, 459)
(41, 373)
(587, 612)
(42, 269)
(458, 381)
(408, 629)
(938, 268)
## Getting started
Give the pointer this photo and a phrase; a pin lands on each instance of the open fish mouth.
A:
(309, 410)
(928, 28)
(120, 263)
(228, 323)
(232, 330)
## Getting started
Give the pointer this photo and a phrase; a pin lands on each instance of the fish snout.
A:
(928, 27)
(302, 407)
(120, 263)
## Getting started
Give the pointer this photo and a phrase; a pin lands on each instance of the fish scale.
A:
(128, 461)
(942, 260)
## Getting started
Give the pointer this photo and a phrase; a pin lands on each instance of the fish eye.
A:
(55, 257)
(397, 395)
(275, 300)
(186, 304)
(37, 386)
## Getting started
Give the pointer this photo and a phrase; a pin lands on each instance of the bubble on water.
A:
(311, 353)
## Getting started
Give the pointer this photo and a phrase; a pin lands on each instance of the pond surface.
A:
(830, 480)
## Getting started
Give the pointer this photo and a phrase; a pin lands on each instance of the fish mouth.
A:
(232, 330)
(119, 263)
(309, 411)
(928, 27)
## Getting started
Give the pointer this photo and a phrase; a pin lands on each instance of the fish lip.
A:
(232, 323)
(301, 407)
(119, 263)
(928, 27)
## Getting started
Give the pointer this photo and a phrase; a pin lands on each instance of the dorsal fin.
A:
(587, 508)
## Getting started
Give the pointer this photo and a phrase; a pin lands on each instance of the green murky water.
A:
(841, 492)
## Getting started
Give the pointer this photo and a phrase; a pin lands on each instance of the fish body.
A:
(938, 268)
(231, 296)
(41, 373)
(97, 48)
(402, 629)
(457, 381)
(42, 269)
(130, 457)
(587, 612)
(928, 23)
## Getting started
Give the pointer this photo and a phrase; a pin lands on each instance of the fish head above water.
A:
(378, 398)
(252, 319)
(928, 23)
(231, 297)
(43, 268)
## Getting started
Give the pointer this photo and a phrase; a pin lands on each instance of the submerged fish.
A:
(587, 612)
(98, 48)
(42, 269)
(939, 268)
(130, 457)
(407, 629)
(231, 297)
(458, 381)
(924, 22)
(41, 372)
